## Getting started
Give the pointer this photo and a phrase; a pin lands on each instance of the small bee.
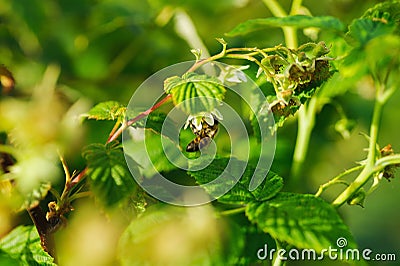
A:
(204, 135)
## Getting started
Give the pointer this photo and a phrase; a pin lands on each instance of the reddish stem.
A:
(117, 133)
(75, 180)
(137, 118)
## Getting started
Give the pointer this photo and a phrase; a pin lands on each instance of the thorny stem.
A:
(227, 53)
(75, 180)
(115, 128)
(386, 161)
(336, 180)
(130, 122)
(369, 168)
(323, 187)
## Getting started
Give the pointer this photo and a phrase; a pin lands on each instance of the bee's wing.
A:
(204, 142)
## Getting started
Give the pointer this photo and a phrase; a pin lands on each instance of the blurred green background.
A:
(106, 49)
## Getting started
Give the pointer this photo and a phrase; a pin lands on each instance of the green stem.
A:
(210, 59)
(306, 115)
(336, 180)
(290, 33)
(380, 166)
(233, 211)
(367, 172)
(277, 261)
(323, 187)
(296, 5)
(275, 8)
(362, 178)
(290, 37)
(80, 195)
(386, 161)
(251, 52)
(306, 121)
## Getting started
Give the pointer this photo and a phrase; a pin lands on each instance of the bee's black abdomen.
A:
(192, 146)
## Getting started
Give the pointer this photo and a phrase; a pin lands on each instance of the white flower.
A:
(195, 121)
(233, 74)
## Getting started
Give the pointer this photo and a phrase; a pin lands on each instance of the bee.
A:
(204, 135)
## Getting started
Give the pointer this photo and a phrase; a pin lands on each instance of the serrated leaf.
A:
(240, 193)
(110, 178)
(299, 21)
(194, 93)
(110, 110)
(23, 243)
(389, 10)
(301, 220)
(362, 30)
(382, 19)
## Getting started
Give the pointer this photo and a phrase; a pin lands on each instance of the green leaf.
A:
(149, 148)
(110, 110)
(109, 175)
(194, 93)
(383, 59)
(254, 238)
(362, 30)
(6, 259)
(382, 19)
(156, 146)
(159, 123)
(36, 195)
(388, 10)
(301, 220)
(179, 236)
(299, 21)
(23, 244)
(240, 193)
(376, 57)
